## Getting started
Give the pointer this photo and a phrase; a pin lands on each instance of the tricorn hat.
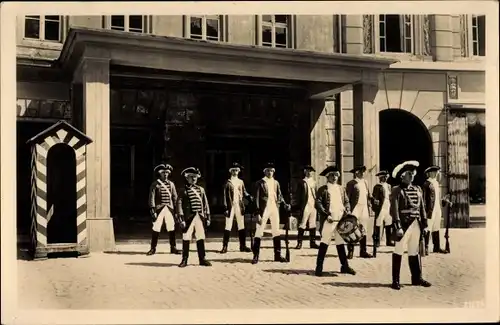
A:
(161, 167)
(269, 165)
(191, 171)
(328, 170)
(410, 165)
(236, 165)
(432, 169)
(357, 168)
(382, 173)
(309, 168)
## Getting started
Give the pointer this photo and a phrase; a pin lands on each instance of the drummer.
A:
(332, 204)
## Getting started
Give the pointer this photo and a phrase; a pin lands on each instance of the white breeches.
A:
(272, 214)
(308, 217)
(434, 223)
(197, 227)
(384, 217)
(410, 240)
(240, 219)
(330, 232)
(165, 216)
(361, 212)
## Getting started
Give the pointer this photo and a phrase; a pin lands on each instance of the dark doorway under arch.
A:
(403, 137)
(61, 194)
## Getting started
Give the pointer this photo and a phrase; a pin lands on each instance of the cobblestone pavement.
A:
(129, 279)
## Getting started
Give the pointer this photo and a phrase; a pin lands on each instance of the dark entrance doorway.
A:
(403, 137)
(61, 195)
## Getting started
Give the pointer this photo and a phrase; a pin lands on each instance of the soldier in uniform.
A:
(409, 219)
(381, 207)
(268, 198)
(306, 197)
(234, 193)
(359, 201)
(432, 194)
(332, 204)
(162, 198)
(194, 215)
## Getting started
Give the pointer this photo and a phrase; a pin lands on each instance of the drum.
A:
(350, 229)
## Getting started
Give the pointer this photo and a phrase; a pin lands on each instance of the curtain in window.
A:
(458, 170)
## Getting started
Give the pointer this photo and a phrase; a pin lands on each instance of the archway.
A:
(403, 137)
(61, 195)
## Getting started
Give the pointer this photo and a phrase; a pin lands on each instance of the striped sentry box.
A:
(59, 133)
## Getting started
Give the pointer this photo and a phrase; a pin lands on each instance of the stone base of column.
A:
(101, 235)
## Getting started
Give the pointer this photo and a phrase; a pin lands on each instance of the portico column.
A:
(366, 130)
(95, 93)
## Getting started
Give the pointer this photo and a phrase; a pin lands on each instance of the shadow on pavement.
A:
(358, 285)
(153, 264)
(301, 272)
(132, 253)
(236, 260)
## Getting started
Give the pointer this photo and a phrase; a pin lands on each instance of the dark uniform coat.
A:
(430, 197)
(159, 197)
(407, 204)
(303, 193)
(379, 195)
(262, 195)
(229, 194)
(353, 192)
(188, 204)
(323, 202)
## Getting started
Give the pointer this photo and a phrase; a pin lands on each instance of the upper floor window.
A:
(275, 31)
(396, 33)
(44, 28)
(338, 34)
(208, 28)
(129, 23)
(478, 35)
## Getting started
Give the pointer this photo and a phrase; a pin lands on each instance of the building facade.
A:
(207, 90)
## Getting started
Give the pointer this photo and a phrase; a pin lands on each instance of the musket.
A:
(447, 233)
(287, 225)
(374, 236)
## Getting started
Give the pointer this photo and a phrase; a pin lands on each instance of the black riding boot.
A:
(300, 236)
(154, 241)
(426, 243)
(185, 253)
(344, 268)
(243, 238)
(173, 249)
(200, 246)
(362, 249)
(225, 241)
(256, 250)
(350, 251)
(388, 236)
(436, 243)
(416, 272)
(312, 238)
(396, 270)
(376, 236)
(277, 250)
(320, 259)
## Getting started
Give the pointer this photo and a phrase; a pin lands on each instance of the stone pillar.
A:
(93, 75)
(354, 34)
(442, 37)
(366, 130)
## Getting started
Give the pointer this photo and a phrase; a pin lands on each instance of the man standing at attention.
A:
(268, 198)
(381, 207)
(409, 219)
(332, 204)
(194, 215)
(234, 193)
(359, 200)
(306, 196)
(162, 198)
(433, 203)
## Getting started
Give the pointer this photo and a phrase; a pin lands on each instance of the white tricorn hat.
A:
(410, 165)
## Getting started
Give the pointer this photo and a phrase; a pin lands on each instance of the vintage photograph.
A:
(251, 161)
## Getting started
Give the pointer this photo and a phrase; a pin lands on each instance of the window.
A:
(206, 28)
(50, 109)
(478, 35)
(477, 157)
(338, 36)
(44, 28)
(396, 33)
(275, 31)
(132, 23)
